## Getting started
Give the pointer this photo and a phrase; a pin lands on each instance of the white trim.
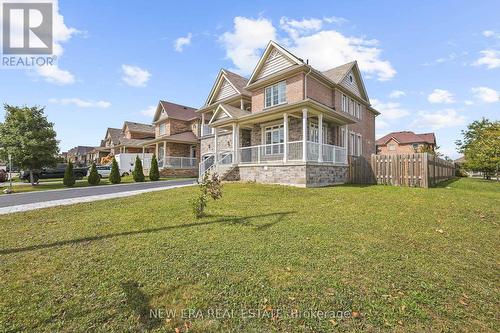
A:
(217, 112)
(222, 75)
(264, 56)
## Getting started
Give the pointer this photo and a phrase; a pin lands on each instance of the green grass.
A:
(43, 186)
(406, 259)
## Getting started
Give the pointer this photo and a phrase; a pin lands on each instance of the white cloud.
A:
(389, 110)
(438, 119)
(397, 94)
(485, 94)
(324, 48)
(81, 103)
(61, 34)
(468, 102)
(335, 20)
(182, 41)
(381, 124)
(135, 76)
(295, 28)
(490, 58)
(54, 74)
(244, 44)
(441, 96)
(149, 111)
(491, 33)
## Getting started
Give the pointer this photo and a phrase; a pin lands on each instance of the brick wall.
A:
(319, 92)
(400, 148)
(294, 92)
(365, 127)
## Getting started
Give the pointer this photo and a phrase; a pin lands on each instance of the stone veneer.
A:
(178, 172)
(303, 175)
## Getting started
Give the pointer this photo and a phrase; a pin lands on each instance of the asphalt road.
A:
(9, 200)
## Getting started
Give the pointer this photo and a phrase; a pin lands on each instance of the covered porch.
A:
(173, 153)
(308, 134)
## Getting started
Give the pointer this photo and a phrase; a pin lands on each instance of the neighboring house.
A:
(405, 142)
(176, 139)
(288, 123)
(133, 136)
(78, 155)
(112, 139)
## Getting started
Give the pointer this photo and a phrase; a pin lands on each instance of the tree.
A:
(29, 137)
(481, 147)
(426, 148)
(114, 176)
(69, 176)
(94, 178)
(154, 172)
(138, 173)
(209, 187)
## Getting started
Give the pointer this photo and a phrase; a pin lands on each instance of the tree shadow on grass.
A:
(138, 302)
(220, 219)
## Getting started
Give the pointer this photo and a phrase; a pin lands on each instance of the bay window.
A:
(275, 94)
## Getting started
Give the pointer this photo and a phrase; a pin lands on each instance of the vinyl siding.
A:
(225, 91)
(274, 64)
(352, 86)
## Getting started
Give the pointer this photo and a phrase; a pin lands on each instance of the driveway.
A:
(42, 199)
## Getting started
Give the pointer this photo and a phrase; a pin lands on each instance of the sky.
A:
(428, 66)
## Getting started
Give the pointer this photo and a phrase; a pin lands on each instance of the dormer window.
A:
(275, 94)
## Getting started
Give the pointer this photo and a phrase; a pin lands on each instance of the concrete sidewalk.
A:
(36, 200)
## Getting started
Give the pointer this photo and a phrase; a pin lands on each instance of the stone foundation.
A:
(302, 175)
(178, 172)
(324, 175)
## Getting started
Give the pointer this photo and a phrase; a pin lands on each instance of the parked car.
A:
(103, 170)
(57, 172)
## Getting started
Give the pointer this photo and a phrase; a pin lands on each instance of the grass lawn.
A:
(400, 259)
(43, 186)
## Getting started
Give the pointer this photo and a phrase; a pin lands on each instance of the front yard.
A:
(267, 258)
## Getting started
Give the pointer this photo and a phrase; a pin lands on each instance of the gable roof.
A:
(339, 73)
(115, 134)
(231, 112)
(138, 127)
(406, 137)
(237, 82)
(272, 45)
(80, 150)
(175, 111)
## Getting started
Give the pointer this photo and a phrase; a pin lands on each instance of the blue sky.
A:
(428, 65)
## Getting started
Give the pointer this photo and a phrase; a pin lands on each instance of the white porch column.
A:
(202, 131)
(242, 104)
(216, 150)
(143, 152)
(236, 144)
(320, 139)
(156, 151)
(285, 137)
(304, 135)
(164, 153)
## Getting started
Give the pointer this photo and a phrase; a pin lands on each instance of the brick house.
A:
(288, 123)
(79, 155)
(405, 142)
(176, 139)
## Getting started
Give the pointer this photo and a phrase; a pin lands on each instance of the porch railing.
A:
(275, 153)
(176, 162)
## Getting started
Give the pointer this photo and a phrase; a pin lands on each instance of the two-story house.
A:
(288, 123)
(176, 139)
(406, 142)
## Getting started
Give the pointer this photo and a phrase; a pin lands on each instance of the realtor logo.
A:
(27, 27)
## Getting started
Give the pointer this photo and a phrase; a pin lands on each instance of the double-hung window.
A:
(358, 111)
(275, 94)
(162, 129)
(314, 132)
(274, 138)
(345, 103)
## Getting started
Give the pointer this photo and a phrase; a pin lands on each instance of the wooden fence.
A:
(417, 170)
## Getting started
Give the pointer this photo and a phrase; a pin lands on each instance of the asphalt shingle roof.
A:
(407, 137)
(178, 111)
